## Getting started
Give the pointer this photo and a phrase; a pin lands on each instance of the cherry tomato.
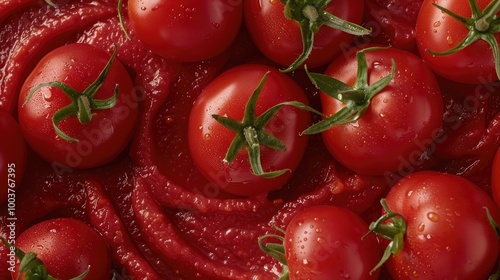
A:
(227, 96)
(12, 155)
(67, 247)
(495, 177)
(438, 31)
(86, 144)
(190, 30)
(328, 242)
(448, 233)
(280, 40)
(400, 122)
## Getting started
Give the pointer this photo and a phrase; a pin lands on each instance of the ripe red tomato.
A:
(326, 242)
(12, 155)
(189, 30)
(495, 178)
(437, 31)
(67, 247)
(448, 233)
(227, 96)
(399, 124)
(279, 38)
(110, 128)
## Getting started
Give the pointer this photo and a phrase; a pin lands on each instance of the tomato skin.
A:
(227, 96)
(13, 154)
(186, 31)
(326, 242)
(279, 38)
(495, 177)
(401, 121)
(67, 247)
(448, 233)
(438, 32)
(109, 131)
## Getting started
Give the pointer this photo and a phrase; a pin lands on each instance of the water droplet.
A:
(421, 227)
(449, 39)
(47, 95)
(305, 261)
(409, 193)
(434, 217)
(169, 119)
(437, 23)
(207, 136)
(143, 8)
(434, 30)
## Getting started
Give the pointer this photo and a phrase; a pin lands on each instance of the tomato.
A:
(495, 177)
(328, 242)
(81, 144)
(448, 234)
(397, 126)
(437, 31)
(13, 155)
(279, 38)
(190, 30)
(67, 247)
(227, 96)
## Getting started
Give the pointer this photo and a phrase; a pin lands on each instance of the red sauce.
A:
(160, 217)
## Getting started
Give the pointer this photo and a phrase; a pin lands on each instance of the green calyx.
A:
(51, 3)
(395, 231)
(122, 22)
(482, 25)
(356, 98)
(82, 103)
(251, 133)
(32, 268)
(311, 15)
(276, 250)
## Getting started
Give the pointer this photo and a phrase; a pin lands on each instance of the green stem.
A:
(483, 24)
(311, 13)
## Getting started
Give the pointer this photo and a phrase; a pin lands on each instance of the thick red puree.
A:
(160, 217)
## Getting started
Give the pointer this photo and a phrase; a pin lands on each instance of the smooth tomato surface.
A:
(448, 233)
(227, 96)
(279, 38)
(438, 32)
(109, 131)
(67, 247)
(400, 123)
(326, 242)
(13, 155)
(190, 30)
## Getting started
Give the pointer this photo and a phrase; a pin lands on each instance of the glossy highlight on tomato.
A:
(190, 30)
(448, 234)
(400, 122)
(279, 38)
(328, 242)
(437, 32)
(227, 96)
(67, 247)
(108, 132)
